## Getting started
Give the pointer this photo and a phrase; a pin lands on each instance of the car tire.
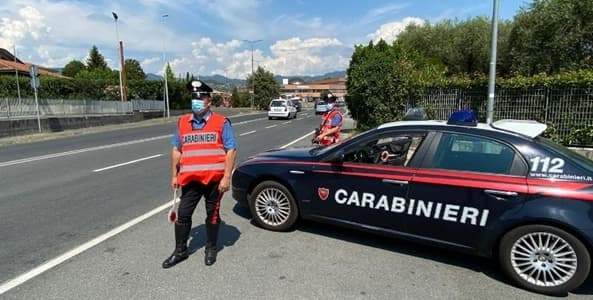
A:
(273, 207)
(521, 252)
(270, 118)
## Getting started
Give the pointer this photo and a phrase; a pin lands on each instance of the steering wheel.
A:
(360, 156)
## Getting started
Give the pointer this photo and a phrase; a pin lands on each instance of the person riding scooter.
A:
(331, 124)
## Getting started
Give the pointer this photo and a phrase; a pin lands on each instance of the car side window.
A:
(471, 153)
(389, 150)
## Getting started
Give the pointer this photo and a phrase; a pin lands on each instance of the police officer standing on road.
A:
(331, 124)
(202, 160)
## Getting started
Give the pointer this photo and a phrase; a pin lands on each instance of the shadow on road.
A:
(227, 236)
(488, 267)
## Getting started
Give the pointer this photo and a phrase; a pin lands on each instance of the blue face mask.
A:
(197, 105)
(330, 105)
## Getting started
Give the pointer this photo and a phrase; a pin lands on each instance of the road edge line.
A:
(298, 140)
(50, 264)
(12, 283)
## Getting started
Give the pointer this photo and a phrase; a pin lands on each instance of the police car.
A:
(496, 190)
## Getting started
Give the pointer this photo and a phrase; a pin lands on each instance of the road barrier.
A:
(12, 108)
(564, 109)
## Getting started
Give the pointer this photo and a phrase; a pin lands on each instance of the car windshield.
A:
(278, 103)
(320, 103)
(582, 161)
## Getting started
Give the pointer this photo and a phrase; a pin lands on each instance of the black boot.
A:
(210, 255)
(175, 258)
(211, 241)
(181, 253)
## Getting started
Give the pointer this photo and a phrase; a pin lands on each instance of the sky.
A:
(206, 37)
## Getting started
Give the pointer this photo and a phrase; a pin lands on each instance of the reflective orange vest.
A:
(326, 125)
(202, 151)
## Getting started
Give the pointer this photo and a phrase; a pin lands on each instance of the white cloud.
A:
(240, 16)
(29, 23)
(294, 56)
(149, 62)
(390, 31)
(51, 32)
(379, 13)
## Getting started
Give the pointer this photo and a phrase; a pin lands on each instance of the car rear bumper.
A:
(278, 114)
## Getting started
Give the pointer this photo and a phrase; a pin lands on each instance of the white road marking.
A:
(55, 155)
(287, 122)
(248, 121)
(77, 151)
(299, 139)
(248, 132)
(272, 126)
(12, 283)
(127, 163)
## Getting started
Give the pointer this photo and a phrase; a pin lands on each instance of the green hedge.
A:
(581, 78)
(79, 88)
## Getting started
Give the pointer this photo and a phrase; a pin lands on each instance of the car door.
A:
(370, 182)
(466, 184)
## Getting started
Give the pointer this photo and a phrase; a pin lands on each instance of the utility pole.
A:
(252, 43)
(166, 112)
(16, 73)
(492, 77)
(122, 70)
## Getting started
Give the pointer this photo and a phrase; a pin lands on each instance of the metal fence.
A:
(12, 108)
(563, 109)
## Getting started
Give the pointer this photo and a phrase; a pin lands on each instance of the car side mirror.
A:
(338, 157)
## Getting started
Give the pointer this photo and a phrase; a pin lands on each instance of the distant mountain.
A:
(221, 82)
(312, 78)
(152, 76)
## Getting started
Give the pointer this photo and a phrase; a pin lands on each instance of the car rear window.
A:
(320, 103)
(582, 161)
(278, 103)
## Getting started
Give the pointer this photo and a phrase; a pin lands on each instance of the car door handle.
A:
(501, 194)
(397, 182)
(298, 172)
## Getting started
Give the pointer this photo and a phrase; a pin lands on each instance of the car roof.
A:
(527, 128)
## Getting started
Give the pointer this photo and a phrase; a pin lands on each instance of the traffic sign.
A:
(34, 72)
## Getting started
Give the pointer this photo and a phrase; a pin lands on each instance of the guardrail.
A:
(12, 108)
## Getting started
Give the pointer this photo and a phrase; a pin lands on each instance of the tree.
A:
(95, 59)
(552, 36)
(266, 87)
(381, 81)
(462, 47)
(134, 70)
(217, 100)
(72, 68)
(169, 73)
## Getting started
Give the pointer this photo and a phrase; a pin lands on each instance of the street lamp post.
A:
(166, 112)
(492, 75)
(251, 43)
(121, 58)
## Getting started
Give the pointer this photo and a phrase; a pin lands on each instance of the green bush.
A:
(381, 80)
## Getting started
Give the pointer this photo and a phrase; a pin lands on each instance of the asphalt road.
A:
(52, 205)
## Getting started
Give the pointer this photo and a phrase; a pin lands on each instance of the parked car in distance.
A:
(320, 107)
